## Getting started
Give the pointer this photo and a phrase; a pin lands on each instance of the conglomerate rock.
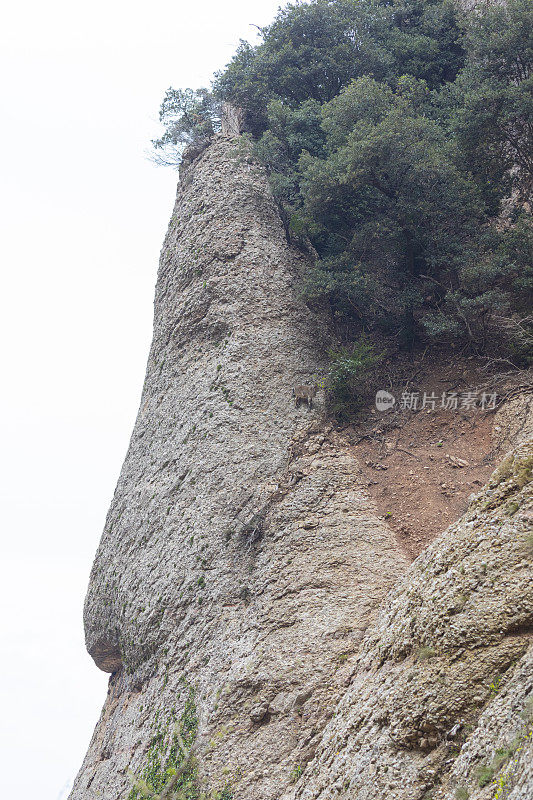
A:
(440, 703)
(241, 555)
(239, 578)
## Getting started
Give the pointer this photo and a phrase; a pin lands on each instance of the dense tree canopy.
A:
(312, 51)
(388, 205)
(490, 106)
(398, 137)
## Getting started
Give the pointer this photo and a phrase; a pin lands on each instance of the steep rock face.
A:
(241, 555)
(441, 700)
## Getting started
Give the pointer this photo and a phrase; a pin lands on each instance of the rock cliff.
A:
(240, 555)
(236, 590)
(441, 699)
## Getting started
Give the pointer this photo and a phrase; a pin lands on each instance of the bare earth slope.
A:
(241, 555)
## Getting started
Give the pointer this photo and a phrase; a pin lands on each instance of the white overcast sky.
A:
(83, 215)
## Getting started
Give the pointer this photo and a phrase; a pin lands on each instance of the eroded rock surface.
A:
(241, 554)
(441, 699)
(243, 558)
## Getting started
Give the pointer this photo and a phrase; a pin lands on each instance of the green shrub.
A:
(171, 769)
(295, 773)
(350, 368)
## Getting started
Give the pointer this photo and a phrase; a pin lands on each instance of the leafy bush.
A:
(349, 370)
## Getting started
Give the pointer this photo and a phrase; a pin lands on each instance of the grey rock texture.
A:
(241, 554)
(513, 423)
(243, 557)
(441, 699)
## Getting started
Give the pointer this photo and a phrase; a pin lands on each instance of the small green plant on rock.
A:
(461, 793)
(171, 770)
(486, 772)
(484, 775)
(509, 756)
(225, 793)
(527, 713)
(511, 508)
(341, 658)
(502, 472)
(500, 757)
(523, 470)
(295, 773)
(424, 653)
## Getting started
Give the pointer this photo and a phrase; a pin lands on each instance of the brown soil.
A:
(422, 466)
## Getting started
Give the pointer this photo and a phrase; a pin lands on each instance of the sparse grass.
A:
(425, 653)
(224, 794)
(502, 755)
(341, 658)
(486, 772)
(527, 713)
(170, 762)
(503, 472)
(462, 793)
(484, 775)
(295, 773)
(523, 471)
